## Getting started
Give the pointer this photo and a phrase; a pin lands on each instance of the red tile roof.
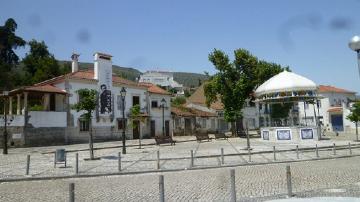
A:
(198, 97)
(190, 112)
(152, 88)
(332, 89)
(44, 88)
(86, 75)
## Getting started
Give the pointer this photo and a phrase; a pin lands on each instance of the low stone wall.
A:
(15, 136)
(44, 136)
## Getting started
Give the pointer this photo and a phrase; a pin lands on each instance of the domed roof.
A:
(285, 82)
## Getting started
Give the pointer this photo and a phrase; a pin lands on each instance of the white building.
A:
(43, 114)
(332, 109)
(163, 79)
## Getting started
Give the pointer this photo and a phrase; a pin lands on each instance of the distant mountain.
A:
(185, 78)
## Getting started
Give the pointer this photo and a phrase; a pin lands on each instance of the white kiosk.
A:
(288, 87)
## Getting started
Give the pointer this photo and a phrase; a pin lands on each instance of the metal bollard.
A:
(72, 192)
(27, 164)
(249, 153)
(297, 151)
(76, 163)
(334, 149)
(222, 156)
(350, 151)
(288, 181)
(158, 160)
(232, 185)
(274, 150)
(317, 151)
(119, 161)
(192, 159)
(161, 188)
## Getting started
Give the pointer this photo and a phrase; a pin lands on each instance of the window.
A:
(203, 123)
(154, 104)
(213, 124)
(84, 125)
(136, 100)
(121, 125)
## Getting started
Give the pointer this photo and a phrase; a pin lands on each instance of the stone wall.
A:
(44, 136)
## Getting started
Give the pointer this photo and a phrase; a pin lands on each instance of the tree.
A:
(178, 101)
(236, 80)
(87, 103)
(354, 116)
(40, 63)
(8, 58)
(135, 115)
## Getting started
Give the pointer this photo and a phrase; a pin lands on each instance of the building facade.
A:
(43, 113)
(163, 79)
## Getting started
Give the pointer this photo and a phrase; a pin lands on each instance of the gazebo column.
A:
(47, 102)
(18, 106)
(25, 102)
(10, 105)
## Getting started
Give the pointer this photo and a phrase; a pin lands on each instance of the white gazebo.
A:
(288, 87)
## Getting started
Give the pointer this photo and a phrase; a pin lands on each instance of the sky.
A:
(311, 37)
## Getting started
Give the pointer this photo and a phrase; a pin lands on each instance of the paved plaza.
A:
(257, 179)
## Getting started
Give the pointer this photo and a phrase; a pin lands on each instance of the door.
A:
(52, 102)
(167, 128)
(152, 128)
(187, 126)
(136, 129)
(337, 122)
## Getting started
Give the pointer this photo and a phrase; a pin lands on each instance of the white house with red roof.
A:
(332, 109)
(42, 114)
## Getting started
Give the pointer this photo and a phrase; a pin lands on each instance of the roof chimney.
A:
(75, 63)
(102, 66)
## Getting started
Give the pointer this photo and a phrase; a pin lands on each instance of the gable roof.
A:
(190, 112)
(152, 88)
(333, 89)
(198, 97)
(44, 88)
(87, 75)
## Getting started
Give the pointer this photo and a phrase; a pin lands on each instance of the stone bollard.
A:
(249, 154)
(161, 188)
(350, 151)
(274, 151)
(27, 164)
(232, 186)
(119, 161)
(158, 160)
(222, 156)
(76, 163)
(288, 181)
(317, 151)
(297, 151)
(72, 192)
(192, 159)
(334, 149)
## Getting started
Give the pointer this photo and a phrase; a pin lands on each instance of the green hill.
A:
(185, 78)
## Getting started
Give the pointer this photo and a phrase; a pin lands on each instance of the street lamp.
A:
(354, 44)
(163, 105)
(123, 94)
(5, 147)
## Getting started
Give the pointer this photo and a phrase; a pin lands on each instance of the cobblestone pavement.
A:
(207, 154)
(332, 177)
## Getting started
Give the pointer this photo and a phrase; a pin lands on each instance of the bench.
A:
(164, 140)
(202, 136)
(221, 135)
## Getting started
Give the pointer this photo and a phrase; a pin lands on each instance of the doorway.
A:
(136, 129)
(167, 128)
(152, 128)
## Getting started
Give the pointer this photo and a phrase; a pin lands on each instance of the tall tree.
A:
(354, 116)
(87, 103)
(40, 63)
(8, 58)
(235, 80)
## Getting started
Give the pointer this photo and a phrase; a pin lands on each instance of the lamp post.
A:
(163, 105)
(123, 94)
(5, 147)
(354, 44)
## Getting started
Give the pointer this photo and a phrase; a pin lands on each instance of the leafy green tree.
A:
(40, 63)
(354, 116)
(178, 101)
(8, 58)
(87, 103)
(236, 80)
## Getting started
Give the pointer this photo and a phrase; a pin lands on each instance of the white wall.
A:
(47, 119)
(156, 113)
